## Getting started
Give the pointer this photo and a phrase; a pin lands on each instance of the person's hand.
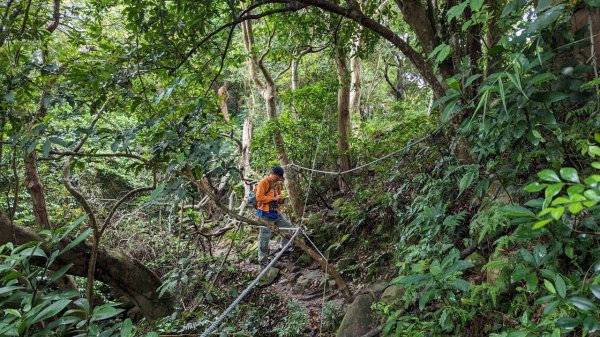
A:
(277, 198)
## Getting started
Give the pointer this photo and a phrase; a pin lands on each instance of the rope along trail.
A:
(219, 319)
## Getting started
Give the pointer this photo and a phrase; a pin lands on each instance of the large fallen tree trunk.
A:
(125, 274)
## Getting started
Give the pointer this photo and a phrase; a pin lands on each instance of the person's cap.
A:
(278, 171)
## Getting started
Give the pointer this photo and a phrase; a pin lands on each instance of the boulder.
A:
(478, 260)
(392, 294)
(269, 277)
(359, 319)
(379, 287)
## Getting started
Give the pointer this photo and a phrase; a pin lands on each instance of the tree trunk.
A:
(355, 84)
(268, 93)
(36, 191)
(343, 109)
(399, 92)
(222, 93)
(126, 275)
(245, 157)
(294, 69)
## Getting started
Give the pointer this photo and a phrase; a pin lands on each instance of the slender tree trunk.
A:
(268, 93)
(294, 69)
(222, 93)
(355, 79)
(36, 191)
(245, 156)
(343, 109)
(399, 92)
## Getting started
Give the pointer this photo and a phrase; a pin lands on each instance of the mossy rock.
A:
(478, 260)
(269, 277)
(359, 319)
(392, 293)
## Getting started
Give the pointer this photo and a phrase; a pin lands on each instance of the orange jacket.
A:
(263, 198)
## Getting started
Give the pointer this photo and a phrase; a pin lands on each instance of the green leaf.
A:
(557, 212)
(548, 175)
(535, 187)
(594, 150)
(553, 190)
(558, 201)
(567, 323)
(517, 211)
(582, 303)
(550, 307)
(550, 287)
(596, 164)
(476, 5)
(460, 284)
(60, 272)
(540, 224)
(561, 287)
(597, 134)
(50, 311)
(590, 324)
(591, 195)
(569, 174)
(465, 181)
(105, 311)
(576, 189)
(596, 290)
(77, 240)
(126, 328)
(575, 208)
(12, 312)
(156, 193)
(541, 78)
(531, 281)
(457, 10)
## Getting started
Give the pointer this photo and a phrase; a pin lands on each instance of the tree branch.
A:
(77, 195)
(115, 154)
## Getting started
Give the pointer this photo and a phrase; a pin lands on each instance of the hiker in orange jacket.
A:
(268, 199)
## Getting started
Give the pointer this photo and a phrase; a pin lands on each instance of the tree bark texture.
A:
(355, 84)
(115, 268)
(222, 93)
(268, 93)
(343, 109)
(36, 191)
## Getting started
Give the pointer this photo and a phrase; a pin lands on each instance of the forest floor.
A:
(306, 284)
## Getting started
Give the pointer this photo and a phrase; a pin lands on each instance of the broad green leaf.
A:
(553, 190)
(561, 287)
(126, 328)
(559, 201)
(576, 189)
(541, 78)
(550, 307)
(582, 303)
(596, 164)
(13, 312)
(575, 208)
(77, 240)
(460, 284)
(456, 11)
(569, 174)
(517, 211)
(596, 290)
(535, 187)
(594, 150)
(9, 289)
(590, 324)
(567, 323)
(557, 212)
(550, 286)
(105, 311)
(548, 175)
(540, 224)
(50, 311)
(531, 280)
(591, 195)
(476, 5)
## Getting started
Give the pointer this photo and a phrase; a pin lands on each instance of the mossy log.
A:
(118, 270)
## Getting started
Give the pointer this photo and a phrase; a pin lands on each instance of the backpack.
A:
(252, 196)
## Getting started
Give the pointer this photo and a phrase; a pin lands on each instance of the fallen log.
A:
(118, 270)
